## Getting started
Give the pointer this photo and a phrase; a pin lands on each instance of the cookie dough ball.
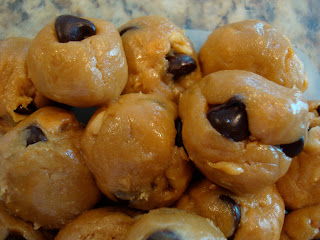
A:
(43, 177)
(130, 149)
(97, 224)
(171, 223)
(161, 59)
(13, 228)
(302, 224)
(242, 130)
(18, 97)
(77, 61)
(254, 46)
(237, 216)
(300, 186)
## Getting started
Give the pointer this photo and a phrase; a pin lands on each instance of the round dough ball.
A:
(13, 228)
(97, 224)
(237, 216)
(302, 224)
(242, 130)
(79, 73)
(18, 97)
(254, 46)
(171, 223)
(161, 59)
(43, 177)
(130, 148)
(300, 186)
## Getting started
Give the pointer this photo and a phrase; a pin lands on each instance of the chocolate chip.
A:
(71, 28)
(164, 234)
(36, 135)
(293, 149)
(318, 110)
(180, 65)
(230, 119)
(26, 111)
(123, 31)
(236, 211)
(14, 236)
(178, 125)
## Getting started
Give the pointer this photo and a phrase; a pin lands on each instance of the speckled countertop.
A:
(299, 20)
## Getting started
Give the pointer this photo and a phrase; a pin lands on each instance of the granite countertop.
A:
(298, 20)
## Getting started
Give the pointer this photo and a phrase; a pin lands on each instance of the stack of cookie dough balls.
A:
(183, 146)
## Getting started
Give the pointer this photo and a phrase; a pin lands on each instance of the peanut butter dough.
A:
(130, 148)
(255, 46)
(242, 130)
(161, 59)
(43, 177)
(80, 73)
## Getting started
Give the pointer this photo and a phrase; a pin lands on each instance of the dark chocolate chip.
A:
(36, 135)
(318, 110)
(293, 149)
(180, 65)
(230, 119)
(178, 125)
(164, 234)
(14, 236)
(71, 28)
(236, 211)
(123, 31)
(26, 111)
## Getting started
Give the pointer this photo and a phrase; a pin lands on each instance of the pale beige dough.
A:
(255, 46)
(147, 46)
(276, 115)
(46, 182)
(220, 205)
(177, 223)
(130, 148)
(79, 73)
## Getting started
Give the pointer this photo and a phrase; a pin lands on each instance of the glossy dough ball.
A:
(171, 223)
(80, 73)
(43, 177)
(300, 186)
(254, 46)
(97, 224)
(242, 130)
(237, 216)
(302, 224)
(161, 59)
(130, 149)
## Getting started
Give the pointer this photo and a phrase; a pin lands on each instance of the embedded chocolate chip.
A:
(26, 111)
(230, 119)
(293, 149)
(236, 211)
(318, 110)
(180, 65)
(123, 31)
(14, 236)
(178, 125)
(163, 235)
(71, 28)
(36, 135)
